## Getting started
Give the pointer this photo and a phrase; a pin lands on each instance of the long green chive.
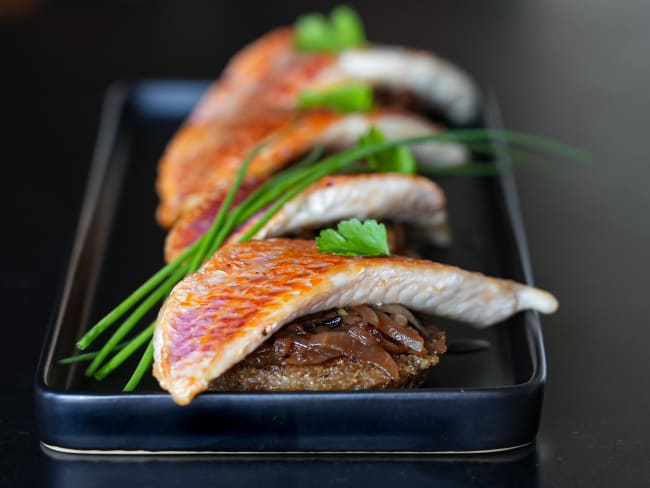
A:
(273, 188)
(80, 358)
(134, 318)
(310, 179)
(143, 366)
(125, 353)
(513, 137)
(200, 254)
(469, 169)
(115, 314)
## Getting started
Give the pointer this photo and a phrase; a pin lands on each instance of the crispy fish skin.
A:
(217, 316)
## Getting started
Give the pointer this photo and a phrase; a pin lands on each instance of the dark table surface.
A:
(576, 71)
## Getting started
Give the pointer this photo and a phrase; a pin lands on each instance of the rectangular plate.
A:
(488, 399)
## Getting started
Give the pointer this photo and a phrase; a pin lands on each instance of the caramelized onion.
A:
(400, 333)
(401, 311)
(367, 314)
(361, 333)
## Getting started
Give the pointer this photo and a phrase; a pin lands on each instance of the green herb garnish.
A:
(347, 97)
(343, 30)
(355, 238)
(398, 159)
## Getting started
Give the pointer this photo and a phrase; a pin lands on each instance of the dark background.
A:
(577, 71)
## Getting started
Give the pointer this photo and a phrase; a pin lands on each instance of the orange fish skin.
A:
(245, 292)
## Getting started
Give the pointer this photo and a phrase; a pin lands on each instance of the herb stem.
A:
(143, 366)
(133, 298)
(277, 185)
(161, 292)
(206, 243)
(514, 137)
(125, 353)
(80, 358)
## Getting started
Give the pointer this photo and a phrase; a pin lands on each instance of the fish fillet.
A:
(408, 198)
(217, 316)
(202, 164)
(255, 100)
(273, 72)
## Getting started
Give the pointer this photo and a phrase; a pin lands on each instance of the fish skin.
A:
(256, 98)
(217, 316)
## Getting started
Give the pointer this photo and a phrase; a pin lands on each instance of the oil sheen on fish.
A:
(217, 316)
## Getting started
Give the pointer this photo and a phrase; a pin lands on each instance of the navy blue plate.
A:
(487, 396)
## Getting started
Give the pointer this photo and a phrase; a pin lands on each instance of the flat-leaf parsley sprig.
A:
(355, 238)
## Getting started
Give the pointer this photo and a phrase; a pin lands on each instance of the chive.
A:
(227, 229)
(133, 298)
(513, 137)
(125, 353)
(80, 358)
(161, 292)
(200, 254)
(275, 186)
(310, 179)
(469, 169)
(268, 192)
(143, 366)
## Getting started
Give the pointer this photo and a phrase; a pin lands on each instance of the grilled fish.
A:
(197, 189)
(255, 100)
(273, 72)
(402, 198)
(217, 316)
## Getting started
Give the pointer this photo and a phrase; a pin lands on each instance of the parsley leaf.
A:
(354, 238)
(315, 33)
(348, 27)
(397, 159)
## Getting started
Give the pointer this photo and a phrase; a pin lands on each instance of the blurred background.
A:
(577, 71)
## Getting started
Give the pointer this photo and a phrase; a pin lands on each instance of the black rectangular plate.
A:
(488, 399)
